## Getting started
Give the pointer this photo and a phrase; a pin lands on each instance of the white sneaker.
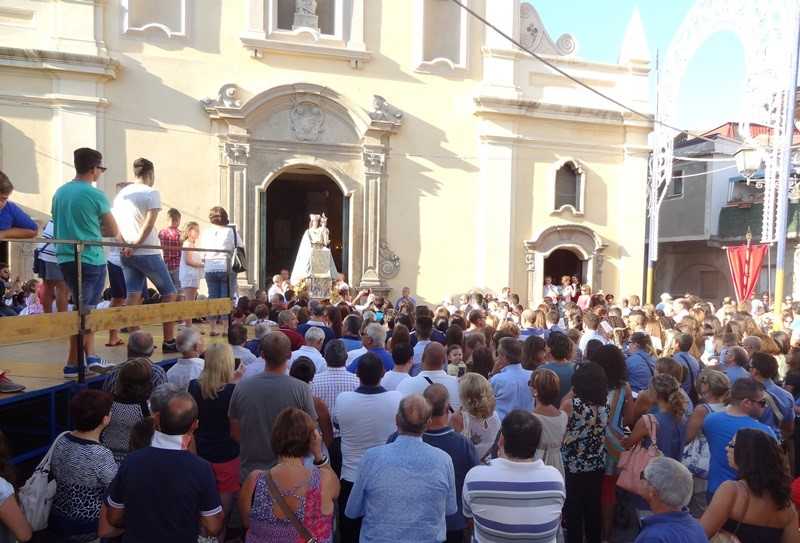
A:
(99, 365)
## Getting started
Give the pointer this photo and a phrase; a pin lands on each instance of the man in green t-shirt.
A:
(82, 212)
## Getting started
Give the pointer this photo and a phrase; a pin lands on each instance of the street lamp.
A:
(749, 160)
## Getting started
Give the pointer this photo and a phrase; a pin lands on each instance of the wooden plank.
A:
(139, 315)
(38, 327)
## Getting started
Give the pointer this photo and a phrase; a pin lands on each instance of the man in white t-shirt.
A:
(136, 209)
(403, 358)
(366, 418)
(433, 363)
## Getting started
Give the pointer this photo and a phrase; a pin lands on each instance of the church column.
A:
(237, 155)
(374, 220)
(530, 268)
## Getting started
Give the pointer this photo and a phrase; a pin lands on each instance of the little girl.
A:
(191, 266)
(455, 361)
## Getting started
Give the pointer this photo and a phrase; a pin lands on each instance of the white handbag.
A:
(36, 497)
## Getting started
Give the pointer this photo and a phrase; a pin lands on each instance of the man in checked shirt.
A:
(328, 385)
(171, 241)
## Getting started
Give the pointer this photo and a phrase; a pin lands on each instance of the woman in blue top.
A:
(670, 417)
(641, 361)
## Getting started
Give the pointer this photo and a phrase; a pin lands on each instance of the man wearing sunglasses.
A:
(747, 404)
(82, 212)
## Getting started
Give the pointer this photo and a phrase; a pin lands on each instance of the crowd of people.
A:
(361, 419)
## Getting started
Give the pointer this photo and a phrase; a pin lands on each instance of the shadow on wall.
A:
(412, 165)
(18, 157)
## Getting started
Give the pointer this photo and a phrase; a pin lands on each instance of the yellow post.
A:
(777, 306)
(650, 278)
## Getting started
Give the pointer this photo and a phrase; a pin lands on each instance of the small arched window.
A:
(569, 187)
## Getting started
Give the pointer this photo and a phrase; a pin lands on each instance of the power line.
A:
(732, 167)
(585, 85)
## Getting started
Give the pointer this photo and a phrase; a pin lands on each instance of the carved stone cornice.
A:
(56, 61)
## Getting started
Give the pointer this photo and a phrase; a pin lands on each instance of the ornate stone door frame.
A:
(580, 239)
(262, 136)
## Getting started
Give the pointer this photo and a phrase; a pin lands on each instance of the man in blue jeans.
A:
(82, 212)
(136, 209)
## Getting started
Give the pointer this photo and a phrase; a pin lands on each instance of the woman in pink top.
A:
(310, 492)
(585, 298)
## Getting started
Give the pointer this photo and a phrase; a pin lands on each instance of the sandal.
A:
(119, 343)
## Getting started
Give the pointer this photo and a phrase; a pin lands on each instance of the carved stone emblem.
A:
(530, 261)
(306, 121)
(375, 162)
(237, 153)
(389, 262)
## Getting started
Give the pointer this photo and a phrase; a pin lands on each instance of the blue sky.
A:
(711, 90)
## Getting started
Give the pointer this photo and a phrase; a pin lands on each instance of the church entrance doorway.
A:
(563, 262)
(285, 207)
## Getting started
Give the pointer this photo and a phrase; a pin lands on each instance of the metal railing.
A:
(77, 294)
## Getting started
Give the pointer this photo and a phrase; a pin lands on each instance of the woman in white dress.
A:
(191, 266)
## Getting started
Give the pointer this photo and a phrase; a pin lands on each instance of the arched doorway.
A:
(285, 207)
(563, 262)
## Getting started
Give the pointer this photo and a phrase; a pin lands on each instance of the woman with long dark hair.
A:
(620, 405)
(758, 507)
(584, 452)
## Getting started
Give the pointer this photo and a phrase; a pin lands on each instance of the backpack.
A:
(36, 497)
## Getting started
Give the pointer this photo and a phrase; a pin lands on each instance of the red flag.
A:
(745, 263)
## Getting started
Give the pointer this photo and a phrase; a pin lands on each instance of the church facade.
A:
(444, 157)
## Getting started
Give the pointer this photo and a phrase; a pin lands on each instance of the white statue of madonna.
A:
(314, 262)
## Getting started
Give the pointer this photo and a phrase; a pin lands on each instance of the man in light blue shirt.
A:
(779, 413)
(510, 384)
(690, 363)
(408, 472)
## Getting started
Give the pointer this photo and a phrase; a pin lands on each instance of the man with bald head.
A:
(164, 492)
(140, 345)
(407, 472)
(257, 401)
(439, 434)
(434, 359)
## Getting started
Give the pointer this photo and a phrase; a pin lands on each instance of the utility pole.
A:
(783, 179)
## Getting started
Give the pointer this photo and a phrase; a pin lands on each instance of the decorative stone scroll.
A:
(384, 111)
(534, 36)
(229, 96)
(389, 262)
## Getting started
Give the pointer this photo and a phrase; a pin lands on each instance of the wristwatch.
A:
(322, 462)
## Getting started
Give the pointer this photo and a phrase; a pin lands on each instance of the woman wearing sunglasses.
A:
(757, 508)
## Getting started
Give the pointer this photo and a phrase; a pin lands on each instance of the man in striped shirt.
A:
(515, 497)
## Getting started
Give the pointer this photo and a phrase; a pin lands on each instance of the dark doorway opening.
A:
(563, 262)
(286, 205)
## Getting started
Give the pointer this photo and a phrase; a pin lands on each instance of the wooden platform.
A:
(39, 365)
